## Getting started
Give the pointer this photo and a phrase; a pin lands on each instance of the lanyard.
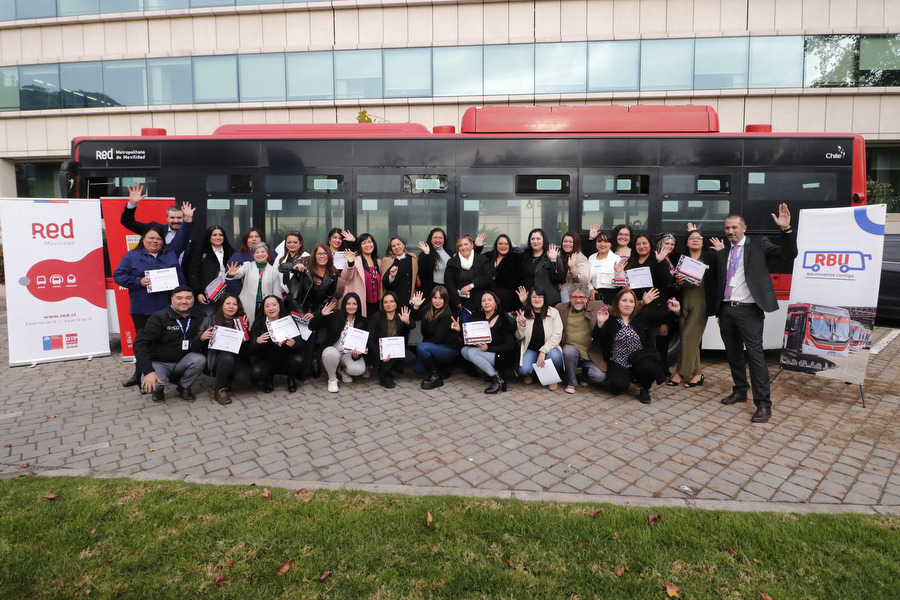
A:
(183, 329)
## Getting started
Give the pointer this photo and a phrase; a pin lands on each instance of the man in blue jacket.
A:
(746, 294)
(169, 345)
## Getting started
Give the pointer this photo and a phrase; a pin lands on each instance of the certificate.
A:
(693, 270)
(477, 331)
(215, 289)
(392, 347)
(283, 329)
(548, 373)
(302, 325)
(355, 339)
(639, 278)
(340, 261)
(162, 280)
(227, 339)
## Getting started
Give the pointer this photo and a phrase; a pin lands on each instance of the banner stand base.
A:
(862, 395)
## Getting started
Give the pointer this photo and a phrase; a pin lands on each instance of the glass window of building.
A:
(721, 63)
(125, 82)
(667, 64)
(7, 11)
(35, 9)
(310, 76)
(614, 66)
(262, 77)
(78, 7)
(39, 87)
(357, 74)
(165, 4)
(215, 79)
(170, 81)
(206, 3)
(776, 62)
(458, 71)
(82, 85)
(9, 88)
(831, 60)
(879, 60)
(115, 6)
(407, 72)
(509, 69)
(560, 68)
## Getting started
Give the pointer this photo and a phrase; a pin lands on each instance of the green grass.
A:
(124, 539)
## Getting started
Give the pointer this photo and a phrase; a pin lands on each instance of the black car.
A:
(889, 292)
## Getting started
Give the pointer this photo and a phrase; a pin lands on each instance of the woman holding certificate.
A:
(260, 280)
(226, 351)
(346, 338)
(695, 277)
(439, 346)
(602, 269)
(490, 341)
(539, 332)
(276, 347)
(467, 276)
(152, 262)
(388, 332)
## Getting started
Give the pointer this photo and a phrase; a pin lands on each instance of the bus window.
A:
(705, 214)
(799, 188)
(514, 217)
(312, 217)
(409, 218)
(325, 184)
(98, 187)
(542, 184)
(234, 215)
(423, 185)
(609, 213)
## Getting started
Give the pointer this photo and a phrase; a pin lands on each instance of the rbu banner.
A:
(834, 292)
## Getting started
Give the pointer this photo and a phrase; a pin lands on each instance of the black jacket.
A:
(756, 256)
(203, 267)
(456, 277)
(304, 294)
(333, 325)
(505, 278)
(161, 338)
(270, 350)
(439, 330)
(548, 275)
(378, 325)
(503, 339)
(606, 334)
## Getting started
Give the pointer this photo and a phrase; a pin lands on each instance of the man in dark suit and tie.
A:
(746, 294)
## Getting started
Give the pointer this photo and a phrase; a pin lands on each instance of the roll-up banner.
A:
(834, 292)
(120, 240)
(55, 288)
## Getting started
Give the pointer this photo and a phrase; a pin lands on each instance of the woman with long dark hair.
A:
(505, 265)
(249, 238)
(363, 274)
(226, 366)
(622, 240)
(433, 260)
(498, 354)
(336, 360)
(399, 270)
(439, 346)
(391, 321)
(539, 331)
(268, 357)
(316, 281)
(207, 262)
(542, 267)
(602, 268)
(574, 262)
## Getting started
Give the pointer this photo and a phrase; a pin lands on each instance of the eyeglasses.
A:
(694, 238)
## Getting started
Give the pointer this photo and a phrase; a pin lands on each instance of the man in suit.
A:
(174, 216)
(745, 294)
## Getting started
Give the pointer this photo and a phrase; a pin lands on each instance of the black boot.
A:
(269, 386)
(291, 384)
(315, 369)
(662, 346)
(385, 379)
(434, 380)
(497, 384)
(133, 380)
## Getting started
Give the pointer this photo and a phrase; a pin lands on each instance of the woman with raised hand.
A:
(539, 331)
(602, 269)
(151, 254)
(575, 263)
(207, 262)
(622, 331)
(468, 276)
(260, 279)
(505, 264)
(399, 270)
(317, 281)
(338, 241)
(542, 266)
(226, 366)
(268, 357)
(292, 254)
(433, 258)
(336, 360)
(391, 321)
(363, 274)
(498, 354)
(439, 346)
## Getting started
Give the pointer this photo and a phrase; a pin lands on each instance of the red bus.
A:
(817, 330)
(507, 170)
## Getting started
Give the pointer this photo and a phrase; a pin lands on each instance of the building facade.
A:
(112, 67)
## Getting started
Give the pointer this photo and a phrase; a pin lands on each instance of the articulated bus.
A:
(507, 170)
(818, 330)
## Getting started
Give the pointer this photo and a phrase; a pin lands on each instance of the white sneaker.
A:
(570, 389)
(332, 385)
(345, 376)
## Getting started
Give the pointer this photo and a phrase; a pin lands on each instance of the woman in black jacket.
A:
(468, 276)
(226, 366)
(391, 321)
(505, 268)
(267, 357)
(498, 354)
(542, 266)
(622, 332)
(440, 346)
(206, 262)
(433, 258)
(335, 359)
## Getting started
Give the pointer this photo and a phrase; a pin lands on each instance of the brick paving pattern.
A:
(821, 447)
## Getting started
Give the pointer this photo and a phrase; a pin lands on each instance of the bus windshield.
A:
(831, 328)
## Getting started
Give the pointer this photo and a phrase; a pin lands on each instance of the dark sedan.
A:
(889, 292)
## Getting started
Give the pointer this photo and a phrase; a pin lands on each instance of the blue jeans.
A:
(572, 359)
(530, 357)
(439, 352)
(482, 360)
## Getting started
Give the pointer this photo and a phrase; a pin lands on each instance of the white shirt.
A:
(740, 292)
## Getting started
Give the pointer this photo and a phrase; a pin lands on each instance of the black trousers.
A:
(742, 327)
(290, 364)
(644, 371)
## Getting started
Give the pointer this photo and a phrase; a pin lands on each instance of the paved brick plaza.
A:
(821, 451)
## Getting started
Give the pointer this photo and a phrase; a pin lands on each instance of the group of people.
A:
(555, 312)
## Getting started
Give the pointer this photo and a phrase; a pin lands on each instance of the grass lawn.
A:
(117, 538)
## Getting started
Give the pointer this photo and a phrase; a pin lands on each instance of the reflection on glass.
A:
(357, 74)
(234, 215)
(215, 79)
(35, 9)
(667, 64)
(82, 85)
(39, 87)
(776, 62)
(613, 66)
(68, 8)
(312, 217)
(114, 6)
(170, 81)
(609, 213)
(509, 69)
(310, 76)
(721, 63)
(514, 217)
(407, 72)
(9, 88)
(705, 214)
(831, 60)
(262, 77)
(409, 218)
(125, 82)
(879, 60)
(458, 71)
(560, 68)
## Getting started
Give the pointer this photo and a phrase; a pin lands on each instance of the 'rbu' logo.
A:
(841, 153)
(844, 261)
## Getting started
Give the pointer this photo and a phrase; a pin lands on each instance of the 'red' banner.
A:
(56, 298)
(120, 240)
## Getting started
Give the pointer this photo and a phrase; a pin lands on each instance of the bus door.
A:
(231, 202)
(611, 196)
(516, 200)
(701, 196)
(309, 201)
(795, 330)
(404, 202)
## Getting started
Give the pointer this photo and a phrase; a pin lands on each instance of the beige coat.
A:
(553, 330)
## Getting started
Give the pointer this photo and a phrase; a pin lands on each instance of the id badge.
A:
(185, 345)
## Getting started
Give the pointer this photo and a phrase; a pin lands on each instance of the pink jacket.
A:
(356, 281)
